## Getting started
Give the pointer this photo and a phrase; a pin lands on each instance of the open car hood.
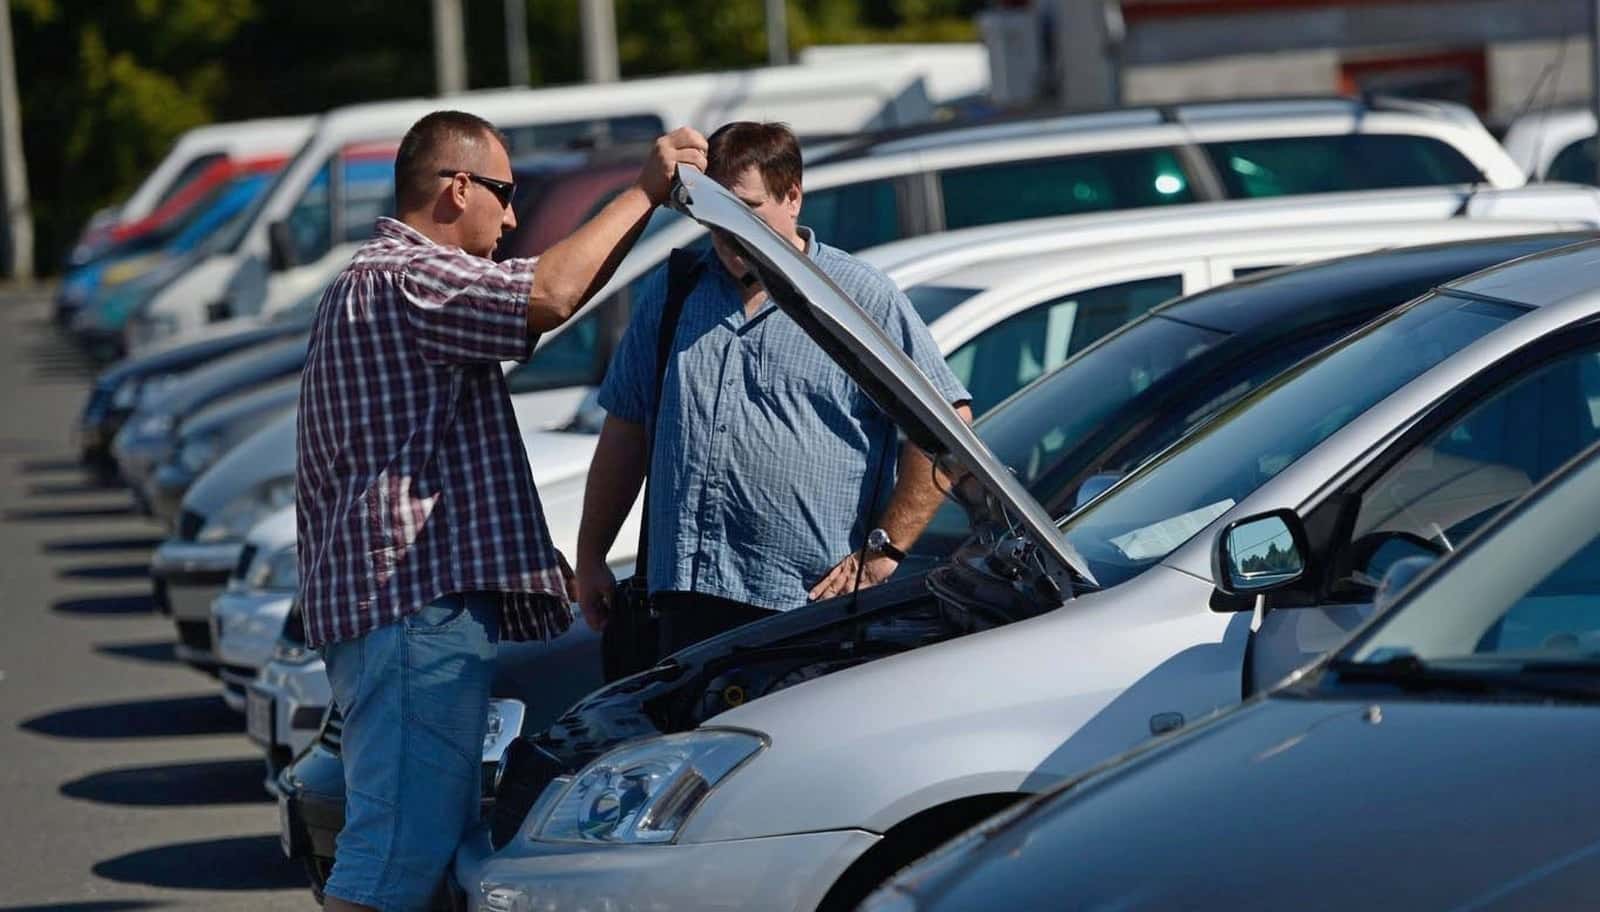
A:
(883, 371)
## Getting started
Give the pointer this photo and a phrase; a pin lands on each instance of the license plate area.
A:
(260, 717)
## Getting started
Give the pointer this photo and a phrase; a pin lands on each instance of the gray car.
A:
(1441, 760)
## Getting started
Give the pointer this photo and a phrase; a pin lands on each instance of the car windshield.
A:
(1028, 432)
(1524, 599)
(1203, 476)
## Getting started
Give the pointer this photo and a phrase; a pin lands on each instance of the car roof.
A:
(1557, 278)
(919, 259)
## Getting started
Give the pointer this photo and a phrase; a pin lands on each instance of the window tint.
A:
(586, 132)
(310, 221)
(1330, 164)
(934, 301)
(1575, 163)
(1170, 499)
(1011, 191)
(1013, 353)
(1457, 479)
(853, 217)
(368, 193)
(570, 359)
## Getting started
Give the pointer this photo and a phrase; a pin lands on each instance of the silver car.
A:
(1393, 442)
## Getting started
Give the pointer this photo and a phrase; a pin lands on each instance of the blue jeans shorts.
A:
(414, 695)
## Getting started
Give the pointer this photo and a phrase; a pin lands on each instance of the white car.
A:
(1555, 144)
(247, 618)
(308, 216)
(1060, 648)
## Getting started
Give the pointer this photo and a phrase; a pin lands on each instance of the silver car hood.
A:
(883, 371)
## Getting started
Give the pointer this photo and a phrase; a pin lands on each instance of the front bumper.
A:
(284, 709)
(245, 626)
(775, 872)
(165, 490)
(187, 577)
(137, 456)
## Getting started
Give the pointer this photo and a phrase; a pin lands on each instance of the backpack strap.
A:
(683, 272)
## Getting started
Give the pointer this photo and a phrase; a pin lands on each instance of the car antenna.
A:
(1551, 73)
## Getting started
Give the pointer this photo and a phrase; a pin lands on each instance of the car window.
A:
(186, 175)
(1574, 163)
(1460, 476)
(1331, 164)
(587, 131)
(853, 217)
(368, 189)
(1174, 496)
(1013, 353)
(310, 221)
(1012, 191)
(571, 359)
(934, 301)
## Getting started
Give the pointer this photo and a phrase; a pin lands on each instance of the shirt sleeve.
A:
(629, 390)
(464, 309)
(904, 326)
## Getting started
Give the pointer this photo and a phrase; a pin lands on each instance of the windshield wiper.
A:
(1411, 673)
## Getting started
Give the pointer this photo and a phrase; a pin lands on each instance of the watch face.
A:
(876, 539)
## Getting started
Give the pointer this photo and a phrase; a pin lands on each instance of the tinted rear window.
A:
(1332, 164)
(1575, 163)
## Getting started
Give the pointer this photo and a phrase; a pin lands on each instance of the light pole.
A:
(778, 32)
(599, 23)
(449, 48)
(519, 70)
(13, 167)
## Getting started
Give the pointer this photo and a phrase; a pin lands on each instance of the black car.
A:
(1248, 332)
(1442, 759)
(121, 388)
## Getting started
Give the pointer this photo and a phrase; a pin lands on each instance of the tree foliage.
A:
(107, 87)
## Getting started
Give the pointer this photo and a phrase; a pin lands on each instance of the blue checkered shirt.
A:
(769, 463)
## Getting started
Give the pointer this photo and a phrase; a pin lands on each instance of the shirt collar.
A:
(397, 230)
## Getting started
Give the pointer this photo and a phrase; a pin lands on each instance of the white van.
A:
(265, 268)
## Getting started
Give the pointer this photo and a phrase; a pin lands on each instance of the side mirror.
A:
(1094, 486)
(280, 243)
(1261, 553)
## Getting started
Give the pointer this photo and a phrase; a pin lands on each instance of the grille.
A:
(195, 635)
(246, 558)
(189, 523)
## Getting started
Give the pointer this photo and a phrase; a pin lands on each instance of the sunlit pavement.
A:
(124, 781)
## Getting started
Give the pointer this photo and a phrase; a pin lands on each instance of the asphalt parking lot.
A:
(125, 783)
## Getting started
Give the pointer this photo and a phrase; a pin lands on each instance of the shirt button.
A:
(722, 427)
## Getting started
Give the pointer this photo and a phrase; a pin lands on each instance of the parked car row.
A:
(1240, 370)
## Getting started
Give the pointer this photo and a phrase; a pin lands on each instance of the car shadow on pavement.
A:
(175, 784)
(138, 570)
(98, 906)
(154, 718)
(70, 513)
(101, 605)
(233, 863)
(66, 488)
(163, 652)
(49, 466)
(98, 545)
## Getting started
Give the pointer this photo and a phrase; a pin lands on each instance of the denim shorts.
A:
(414, 695)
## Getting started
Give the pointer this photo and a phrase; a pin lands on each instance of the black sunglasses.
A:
(502, 190)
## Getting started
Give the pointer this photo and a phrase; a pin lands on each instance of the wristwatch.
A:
(878, 543)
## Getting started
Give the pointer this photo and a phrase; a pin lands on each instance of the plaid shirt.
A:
(411, 479)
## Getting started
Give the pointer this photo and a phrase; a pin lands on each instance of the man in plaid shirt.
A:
(421, 537)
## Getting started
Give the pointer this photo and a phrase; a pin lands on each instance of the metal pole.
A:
(1594, 79)
(778, 32)
(599, 23)
(13, 167)
(449, 48)
(518, 67)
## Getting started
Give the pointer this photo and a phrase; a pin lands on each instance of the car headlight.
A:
(239, 515)
(198, 453)
(503, 726)
(279, 570)
(291, 653)
(126, 395)
(643, 792)
(155, 386)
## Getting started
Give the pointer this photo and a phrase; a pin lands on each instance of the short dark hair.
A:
(425, 147)
(770, 147)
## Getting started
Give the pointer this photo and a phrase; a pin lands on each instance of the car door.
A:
(1485, 445)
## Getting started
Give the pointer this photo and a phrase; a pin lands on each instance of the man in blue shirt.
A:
(768, 465)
